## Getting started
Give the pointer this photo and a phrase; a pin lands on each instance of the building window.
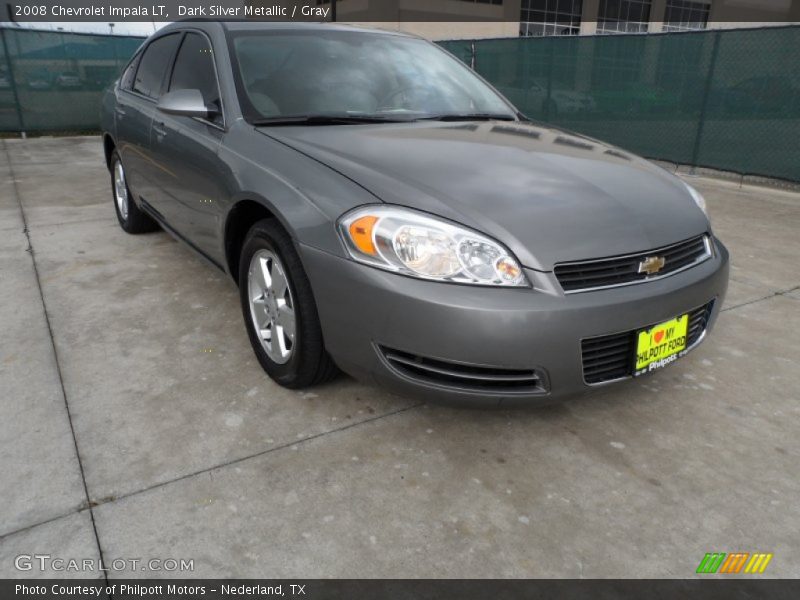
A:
(550, 17)
(495, 2)
(623, 16)
(686, 15)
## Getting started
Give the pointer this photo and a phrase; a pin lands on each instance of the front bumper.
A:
(363, 309)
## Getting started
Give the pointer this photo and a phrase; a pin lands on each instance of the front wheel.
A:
(279, 310)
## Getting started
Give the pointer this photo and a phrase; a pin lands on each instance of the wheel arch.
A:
(109, 145)
(244, 213)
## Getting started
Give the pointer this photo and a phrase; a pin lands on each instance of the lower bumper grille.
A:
(610, 357)
(463, 376)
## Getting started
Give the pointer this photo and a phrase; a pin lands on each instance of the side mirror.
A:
(188, 103)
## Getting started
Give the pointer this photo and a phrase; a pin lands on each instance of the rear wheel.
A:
(130, 218)
(279, 309)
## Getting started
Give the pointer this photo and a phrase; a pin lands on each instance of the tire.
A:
(293, 361)
(131, 219)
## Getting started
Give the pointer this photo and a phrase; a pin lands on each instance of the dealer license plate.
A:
(660, 345)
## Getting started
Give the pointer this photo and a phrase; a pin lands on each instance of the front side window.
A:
(355, 73)
(194, 70)
(153, 66)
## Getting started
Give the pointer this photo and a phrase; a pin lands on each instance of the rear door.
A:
(138, 92)
(188, 148)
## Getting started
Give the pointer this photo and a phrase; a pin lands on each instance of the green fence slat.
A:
(10, 110)
(669, 96)
(53, 80)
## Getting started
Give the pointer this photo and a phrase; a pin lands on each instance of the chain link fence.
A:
(53, 80)
(723, 99)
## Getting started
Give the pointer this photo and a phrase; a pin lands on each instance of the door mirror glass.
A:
(187, 103)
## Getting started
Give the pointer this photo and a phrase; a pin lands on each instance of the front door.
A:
(188, 148)
(139, 90)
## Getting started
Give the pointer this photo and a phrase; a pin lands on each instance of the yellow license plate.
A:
(660, 345)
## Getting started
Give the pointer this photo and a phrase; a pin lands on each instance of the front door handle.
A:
(160, 129)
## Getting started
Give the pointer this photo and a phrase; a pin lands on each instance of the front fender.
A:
(107, 121)
(306, 196)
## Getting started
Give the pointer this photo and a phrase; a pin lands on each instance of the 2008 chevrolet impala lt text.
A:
(385, 211)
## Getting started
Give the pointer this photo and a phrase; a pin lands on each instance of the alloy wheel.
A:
(271, 306)
(120, 190)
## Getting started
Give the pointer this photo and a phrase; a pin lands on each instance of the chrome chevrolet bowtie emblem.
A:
(652, 265)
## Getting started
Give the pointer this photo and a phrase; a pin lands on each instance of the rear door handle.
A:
(120, 111)
(160, 129)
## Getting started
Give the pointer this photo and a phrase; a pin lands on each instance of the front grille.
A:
(610, 357)
(462, 376)
(624, 270)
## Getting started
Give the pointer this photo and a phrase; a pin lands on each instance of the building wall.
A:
(442, 20)
(751, 12)
(723, 14)
(456, 19)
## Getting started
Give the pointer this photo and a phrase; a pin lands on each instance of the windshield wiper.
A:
(469, 117)
(342, 119)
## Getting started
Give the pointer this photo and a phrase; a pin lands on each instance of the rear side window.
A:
(194, 69)
(126, 81)
(153, 65)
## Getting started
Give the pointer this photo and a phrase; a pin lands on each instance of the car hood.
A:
(550, 196)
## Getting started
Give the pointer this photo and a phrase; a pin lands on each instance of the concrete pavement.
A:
(135, 422)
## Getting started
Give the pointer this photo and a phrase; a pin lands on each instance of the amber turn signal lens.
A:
(361, 234)
(508, 269)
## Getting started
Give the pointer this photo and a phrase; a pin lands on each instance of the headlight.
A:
(413, 243)
(697, 197)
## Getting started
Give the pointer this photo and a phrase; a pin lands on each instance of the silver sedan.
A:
(384, 211)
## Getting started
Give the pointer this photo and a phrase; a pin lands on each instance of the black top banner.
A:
(32, 11)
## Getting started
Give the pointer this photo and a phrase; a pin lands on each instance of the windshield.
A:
(280, 74)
